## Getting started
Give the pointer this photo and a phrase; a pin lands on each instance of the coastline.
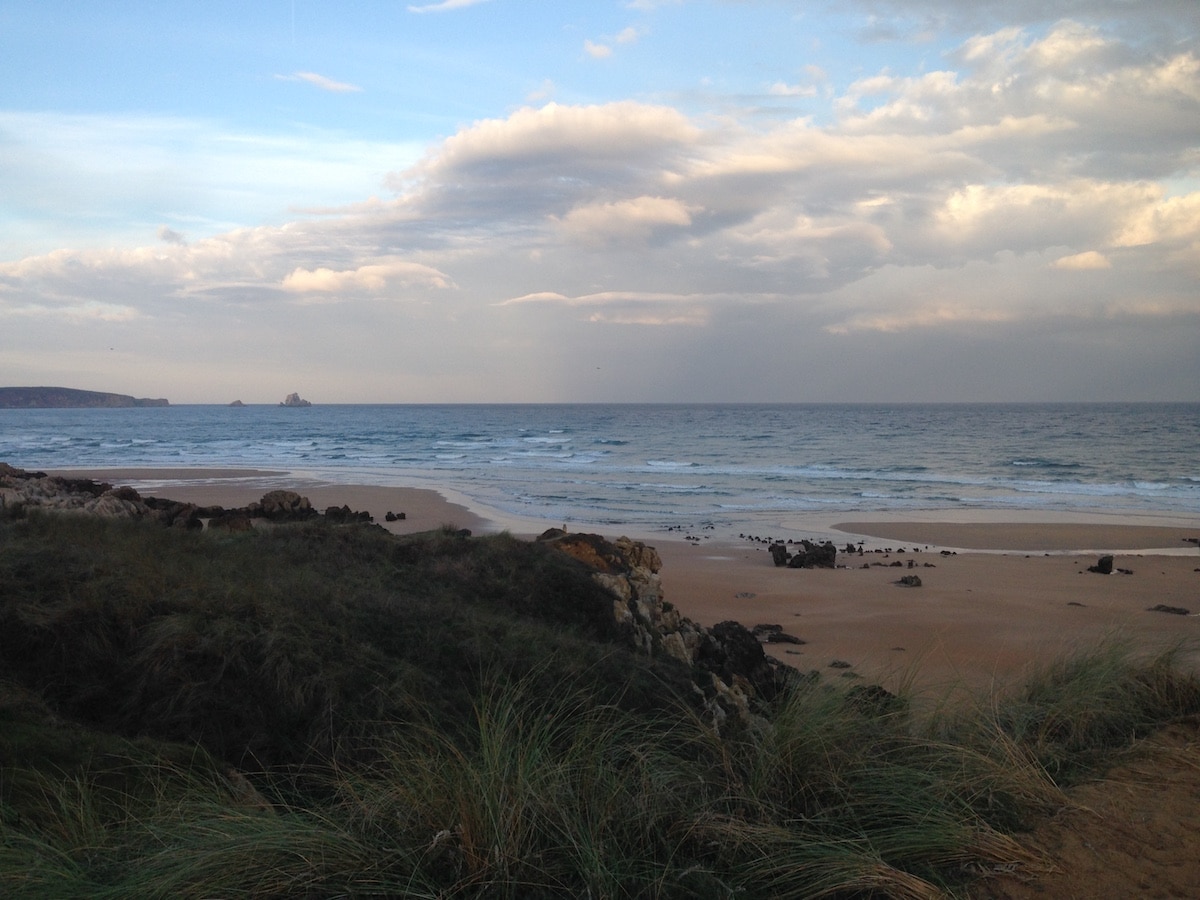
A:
(1012, 590)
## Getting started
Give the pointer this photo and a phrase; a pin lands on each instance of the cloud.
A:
(927, 218)
(1078, 262)
(372, 278)
(445, 6)
(170, 235)
(320, 81)
(597, 51)
(629, 307)
(782, 89)
(633, 219)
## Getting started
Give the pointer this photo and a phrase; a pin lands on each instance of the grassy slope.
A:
(440, 716)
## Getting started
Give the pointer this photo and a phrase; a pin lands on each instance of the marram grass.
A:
(319, 712)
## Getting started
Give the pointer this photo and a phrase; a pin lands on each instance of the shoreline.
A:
(1012, 590)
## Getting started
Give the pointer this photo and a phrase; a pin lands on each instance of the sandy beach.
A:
(1008, 595)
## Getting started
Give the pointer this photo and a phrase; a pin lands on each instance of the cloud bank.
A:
(1025, 216)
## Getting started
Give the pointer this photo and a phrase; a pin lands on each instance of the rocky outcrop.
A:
(68, 398)
(294, 400)
(807, 556)
(729, 666)
(21, 491)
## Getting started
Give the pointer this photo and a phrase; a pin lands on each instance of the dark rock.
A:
(1103, 566)
(343, 515)
(839, 664)
(774, 634)
(910, 581)
(814, 556)
(1174, 610)
(779, 554)
(282, 506)
(395, 517)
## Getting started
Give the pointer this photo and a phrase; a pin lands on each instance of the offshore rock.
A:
(294, 399)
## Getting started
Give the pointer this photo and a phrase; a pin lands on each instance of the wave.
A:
(1041, 463)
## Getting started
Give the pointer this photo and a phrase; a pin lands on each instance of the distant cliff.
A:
(67, 398)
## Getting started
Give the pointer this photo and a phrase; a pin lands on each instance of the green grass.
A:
(327, 712)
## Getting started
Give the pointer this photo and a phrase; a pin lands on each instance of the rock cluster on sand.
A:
(808, 556)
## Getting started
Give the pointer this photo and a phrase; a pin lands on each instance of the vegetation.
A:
(321, 711)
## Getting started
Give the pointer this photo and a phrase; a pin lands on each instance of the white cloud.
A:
(630, 307)
(1079, 262)
(320, 81)
(372, 278)
(781, 89)
(445, 6)
(634, 219)
(597, 51)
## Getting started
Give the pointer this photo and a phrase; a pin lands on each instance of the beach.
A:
(1011, 590)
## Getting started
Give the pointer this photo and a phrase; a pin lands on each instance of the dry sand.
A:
(978, 617)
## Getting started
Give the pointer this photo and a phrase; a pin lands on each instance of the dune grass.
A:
(331, 712)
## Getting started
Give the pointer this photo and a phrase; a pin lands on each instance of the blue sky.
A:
(512, 201)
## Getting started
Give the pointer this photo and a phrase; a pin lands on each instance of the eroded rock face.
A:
(730, 668)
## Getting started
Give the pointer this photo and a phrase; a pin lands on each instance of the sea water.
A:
(729, 467)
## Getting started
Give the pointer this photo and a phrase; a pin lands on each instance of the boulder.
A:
(814, 556)
(1103, 566)
(282, 506)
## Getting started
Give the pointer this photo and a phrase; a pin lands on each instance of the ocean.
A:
(730, 468)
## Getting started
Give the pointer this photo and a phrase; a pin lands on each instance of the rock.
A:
(814, 556)
(282, 506)
(730, 669)
(1174, 610)
(910, 581)
(774, 634)
(1103, 566)
(294, 400)
(779, 554)
(394, 517)
(343, 515)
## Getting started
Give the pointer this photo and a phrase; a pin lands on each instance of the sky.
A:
(647, 201)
